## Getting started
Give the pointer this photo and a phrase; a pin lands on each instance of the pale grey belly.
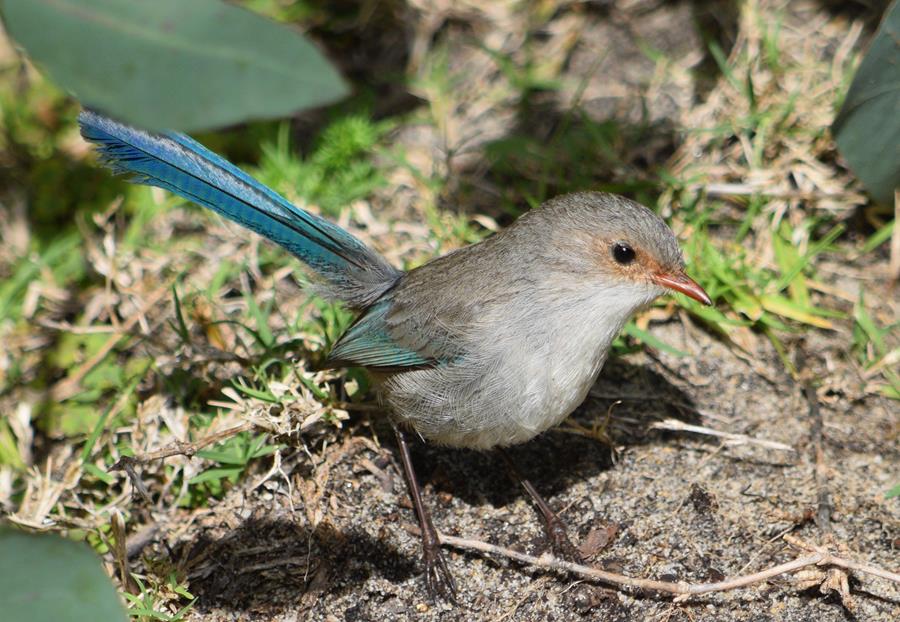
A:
(483, 410)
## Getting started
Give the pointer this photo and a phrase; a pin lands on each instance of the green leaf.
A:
(171, 64)
(99, 473)
(261, 317)
(654, 342)
(101, 425)
(790, 264)
(785, 307)
(230, 473)
(799, 263)
(71, 419)
(879, 237)
(867, 129)
(9, 451)
(181, 328)
(13, 287)
(872, 333)
(47, 578)
(266, 396)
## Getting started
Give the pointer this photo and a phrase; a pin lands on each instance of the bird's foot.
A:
(562, 547)
(438, 579)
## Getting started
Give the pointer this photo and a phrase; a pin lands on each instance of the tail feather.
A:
(351, 271)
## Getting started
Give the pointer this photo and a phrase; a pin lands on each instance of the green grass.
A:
(872, 349)
(147, 604)
(340, 169)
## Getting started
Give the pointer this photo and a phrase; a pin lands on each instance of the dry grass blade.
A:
(730, 438)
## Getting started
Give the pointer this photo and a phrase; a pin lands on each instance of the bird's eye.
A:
(622, 253)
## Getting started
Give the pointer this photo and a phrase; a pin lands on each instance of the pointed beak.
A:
(680, 282)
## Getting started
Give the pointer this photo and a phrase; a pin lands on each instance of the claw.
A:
(560, 544)
(438, 578)
(554, 528)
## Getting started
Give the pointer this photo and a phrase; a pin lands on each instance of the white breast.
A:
(527, 372)
(564, 369)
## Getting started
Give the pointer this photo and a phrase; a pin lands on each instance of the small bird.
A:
(484, 347)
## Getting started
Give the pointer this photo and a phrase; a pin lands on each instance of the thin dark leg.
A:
(553, 524)
(437, 576)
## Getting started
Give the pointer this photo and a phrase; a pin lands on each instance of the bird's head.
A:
(622, 245)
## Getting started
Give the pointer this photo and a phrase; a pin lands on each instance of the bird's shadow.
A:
(267, 565)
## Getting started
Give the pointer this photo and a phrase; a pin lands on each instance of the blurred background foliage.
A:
(173, 65)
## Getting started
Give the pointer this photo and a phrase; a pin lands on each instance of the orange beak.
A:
(680, 282)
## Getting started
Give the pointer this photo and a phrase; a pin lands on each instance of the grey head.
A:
(613, 239)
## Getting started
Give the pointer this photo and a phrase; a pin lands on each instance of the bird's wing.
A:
(426, 319)
(369, 343)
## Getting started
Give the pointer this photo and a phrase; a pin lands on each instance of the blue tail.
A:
(351, 271)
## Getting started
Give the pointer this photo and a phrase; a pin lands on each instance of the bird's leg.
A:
(438, 579)
(554, 527)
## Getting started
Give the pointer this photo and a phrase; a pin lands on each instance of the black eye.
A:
(623, 253)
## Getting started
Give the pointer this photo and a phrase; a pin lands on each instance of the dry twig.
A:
(819, 557)
(182, 448)
(178, 448)
(823, 497)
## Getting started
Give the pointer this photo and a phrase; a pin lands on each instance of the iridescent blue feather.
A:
(368, 343)
(351, 271)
